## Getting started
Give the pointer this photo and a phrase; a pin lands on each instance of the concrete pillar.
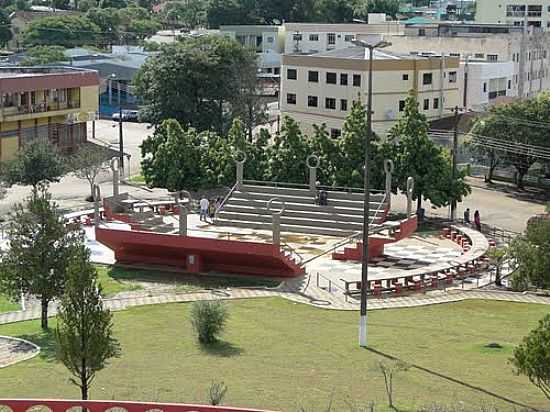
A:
(183, 220)
(312, 167)
(115, 169)
(240, 168)
(410, 189)
(388, 168)
(110, 91)
(276, 220)
(97, 199)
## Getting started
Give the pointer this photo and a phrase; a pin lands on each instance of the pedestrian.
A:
(477, 220)
(211, 209)
(204, 204)
(467, 216)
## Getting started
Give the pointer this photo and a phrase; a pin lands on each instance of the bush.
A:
(208, 319)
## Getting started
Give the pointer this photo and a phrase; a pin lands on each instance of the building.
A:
(526, 53)
(321, 88)
(51, 103)
(264, 39)
(535, 12)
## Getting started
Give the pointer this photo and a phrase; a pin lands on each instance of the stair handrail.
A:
(285, 247)
(224, 201)
(350, 239)
(345, 189)
(371, 220)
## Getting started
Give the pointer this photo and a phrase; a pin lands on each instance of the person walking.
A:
(204, 204)
(477, 220)
(467, 216)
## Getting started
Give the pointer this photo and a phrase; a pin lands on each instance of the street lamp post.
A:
(366, 206)
(120, 134)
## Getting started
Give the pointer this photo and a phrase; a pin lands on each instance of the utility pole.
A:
(120, 139)
(455, 150)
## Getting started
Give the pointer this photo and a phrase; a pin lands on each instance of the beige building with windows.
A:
(514, 12)
(321, 88)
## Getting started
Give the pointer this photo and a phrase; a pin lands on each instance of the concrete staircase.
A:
(343, 216)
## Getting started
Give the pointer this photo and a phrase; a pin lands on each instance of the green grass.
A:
(137, 179)
(278, 355)
(7, 305)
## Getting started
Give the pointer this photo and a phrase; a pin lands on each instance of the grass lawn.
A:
(116, 279)
(279, 355)
(7, 305)
(137, 179)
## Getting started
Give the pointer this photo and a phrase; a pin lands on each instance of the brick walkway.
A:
(13, 350)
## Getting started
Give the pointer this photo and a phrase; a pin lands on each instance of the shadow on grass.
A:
(46, 341)
(222, 349)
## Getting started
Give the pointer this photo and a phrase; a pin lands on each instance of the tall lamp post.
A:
(366, 206)
(120, 135)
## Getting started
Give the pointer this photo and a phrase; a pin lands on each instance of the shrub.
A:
(208, 319)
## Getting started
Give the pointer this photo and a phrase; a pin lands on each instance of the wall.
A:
(495, 11)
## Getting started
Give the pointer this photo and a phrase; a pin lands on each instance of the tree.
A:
(287, 156)
(224, 12)
(181, 13)
(66, 30)
(5, 30)
(39, 246)
(532, 356)
(418, 156)
(329, 153)
(497, 258)
(113, 4)
(209, 318)
(531, 253)
(521, 123)
(172, 157)
(88, 162)
(84, 333)
(199, 82)
(41, 55)
(36, 162)
(335, 11)
(108, 20)
(364, 7)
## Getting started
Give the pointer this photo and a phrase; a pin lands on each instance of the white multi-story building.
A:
(514, 12)
(320, 88)
(526, 54)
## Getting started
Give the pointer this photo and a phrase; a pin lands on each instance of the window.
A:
(313, 37)
(343, 79)
(330, 103)
(357, 80)
(276, 70)
(335, 133)
(427, 78)
(479, 55)
(343, 105)
(312, 101)
(331, 39)
(405, 77)
(454, 54)
(291, 98)
(348, 37)
(331, 78)
(401, 105)
(492, 57)
(484, 87)
(291, 74)
(426, 104)
(259, 41)
(297, 37)
(452, 77)
(313, 77)
(436, 103)
(270, 39)
(421, 32)
(509, 84)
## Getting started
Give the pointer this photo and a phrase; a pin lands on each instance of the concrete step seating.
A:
(343, 216)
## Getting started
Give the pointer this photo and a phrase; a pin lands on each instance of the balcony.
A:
(24, 112)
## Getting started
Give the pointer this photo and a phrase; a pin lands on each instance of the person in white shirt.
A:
(204, 204)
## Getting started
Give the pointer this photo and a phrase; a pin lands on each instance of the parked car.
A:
(127, 116)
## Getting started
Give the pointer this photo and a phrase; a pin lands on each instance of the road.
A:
(504, 207)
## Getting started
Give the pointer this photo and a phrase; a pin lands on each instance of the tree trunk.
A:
(83, 380)
(44, 315)
(419, 202)
(84, 391)
(492, 166)
(497, 276)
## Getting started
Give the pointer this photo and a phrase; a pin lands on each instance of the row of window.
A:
(332, 78)
(331, 37)
(331, 103)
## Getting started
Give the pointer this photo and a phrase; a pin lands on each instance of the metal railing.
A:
(224, 201)
(298, 258)
(305, 186)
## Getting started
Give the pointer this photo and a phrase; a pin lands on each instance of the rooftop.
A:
(359, 53)
(12, 72)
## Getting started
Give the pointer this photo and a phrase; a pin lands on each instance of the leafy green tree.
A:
(225, 12)
(531, 253)
(60, 4)
(88, 162)
(209, 318)
(335, 11)
(187, 14)
(497, 258)
(39, 246)
(84, 333)
(40, 55)
(329, 153)
(5, 30)
(199, 82)
(113, 4)
(66, 30)
(419, 157)
(532, 356)
(85, 5)
(517, 123)
(108, 20)
(362, 8)
(287, 156)
(36, 162)
(172, 157)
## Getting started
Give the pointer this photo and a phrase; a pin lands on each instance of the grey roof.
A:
(359, 53)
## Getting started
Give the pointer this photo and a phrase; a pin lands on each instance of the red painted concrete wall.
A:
(62, 405)
(234, 256)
